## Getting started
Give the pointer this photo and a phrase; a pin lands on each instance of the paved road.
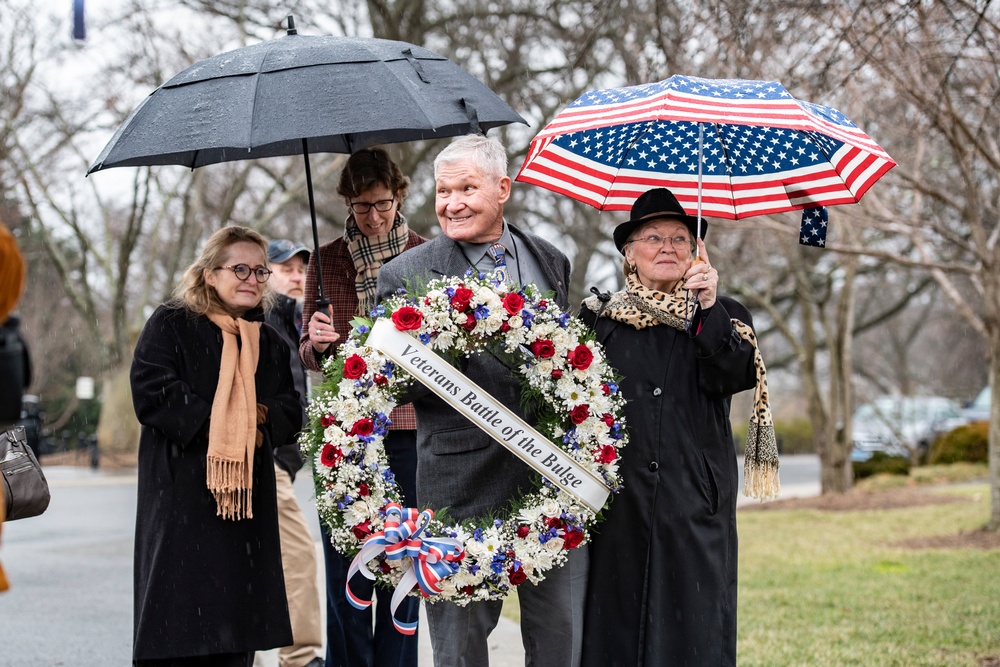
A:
(71, 572)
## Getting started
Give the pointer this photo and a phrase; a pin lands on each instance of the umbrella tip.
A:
(291, 25)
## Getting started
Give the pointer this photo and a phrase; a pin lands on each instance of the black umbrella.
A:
(299, 94)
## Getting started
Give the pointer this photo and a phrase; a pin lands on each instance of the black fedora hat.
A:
(656, 204)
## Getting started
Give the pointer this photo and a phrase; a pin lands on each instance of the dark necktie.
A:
(499, 254)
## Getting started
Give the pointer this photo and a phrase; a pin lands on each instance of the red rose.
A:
(363, 489)
(362, 427)
(543, 348)
(380, 380)
(580, 357)
(384, 567)
(516, 576)
(605, 389)
(579, 414)
(470, 322)
(512, 303)
(331, 455)
(606, 454)
(407, 318)
(556, 373)
(504, 327)
(327, 421)
(362, 530)
(460, 301)
(572, 539)
(553, 522)
(543, 304)
(468, 590)
(354, 367)
(608, 419)
(523, 531)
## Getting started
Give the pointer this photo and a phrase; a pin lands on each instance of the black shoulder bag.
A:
(25, 491)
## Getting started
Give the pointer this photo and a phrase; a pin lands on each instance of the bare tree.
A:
(938, 62)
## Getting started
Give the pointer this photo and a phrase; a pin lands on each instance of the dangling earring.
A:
(631, 268)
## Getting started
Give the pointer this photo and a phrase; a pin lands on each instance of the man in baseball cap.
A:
(288, 261)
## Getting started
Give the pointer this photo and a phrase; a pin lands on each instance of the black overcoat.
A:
(662, 588)
(203, 585)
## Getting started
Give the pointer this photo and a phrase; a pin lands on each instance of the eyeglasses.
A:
(656, 241)
(362, 207)
(243, 272)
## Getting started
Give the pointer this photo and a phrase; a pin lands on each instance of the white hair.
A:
(486, 153)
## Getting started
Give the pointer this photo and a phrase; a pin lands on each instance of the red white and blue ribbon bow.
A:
(433, 558)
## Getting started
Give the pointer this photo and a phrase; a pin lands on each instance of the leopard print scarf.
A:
(641, 307)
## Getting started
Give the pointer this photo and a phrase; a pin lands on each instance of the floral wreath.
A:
(566, 381)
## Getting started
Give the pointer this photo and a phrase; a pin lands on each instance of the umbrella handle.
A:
(323, 306)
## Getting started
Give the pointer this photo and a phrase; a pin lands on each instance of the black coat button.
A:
(654, 466)
(657, 391)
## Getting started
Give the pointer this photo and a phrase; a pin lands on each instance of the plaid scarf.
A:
(232, 429)
(370, 253)
(640, 307)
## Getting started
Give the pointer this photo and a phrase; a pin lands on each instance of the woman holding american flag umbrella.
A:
(662, 586)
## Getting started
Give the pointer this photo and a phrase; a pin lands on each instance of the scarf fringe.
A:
(760, 463)
(227, 480)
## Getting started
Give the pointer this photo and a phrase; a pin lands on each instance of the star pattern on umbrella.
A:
(729, 150)
(812, 231)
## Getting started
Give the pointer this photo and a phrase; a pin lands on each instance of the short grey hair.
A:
(486, 153)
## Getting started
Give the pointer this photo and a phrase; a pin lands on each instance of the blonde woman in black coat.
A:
(662, 586)
(213, 390)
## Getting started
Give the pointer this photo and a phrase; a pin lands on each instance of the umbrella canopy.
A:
(339, 93)
(298, 94)
(725, 147)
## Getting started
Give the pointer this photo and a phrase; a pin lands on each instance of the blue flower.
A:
(497, 567)
(473, 569)
(564, 320)
(497, 522)
(425, 338)
(363, 329)
(478, 535)
(481, 312)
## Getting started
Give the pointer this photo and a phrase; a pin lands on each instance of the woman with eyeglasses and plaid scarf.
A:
(373, 188)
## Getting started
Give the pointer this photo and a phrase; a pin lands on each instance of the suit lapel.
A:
(546, 261)
(448, 259)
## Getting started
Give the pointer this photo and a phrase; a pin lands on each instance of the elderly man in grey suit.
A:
(458, 465)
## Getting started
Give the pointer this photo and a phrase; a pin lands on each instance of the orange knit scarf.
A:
(232, 431)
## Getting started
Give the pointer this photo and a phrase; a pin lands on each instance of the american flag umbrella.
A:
(762, 151)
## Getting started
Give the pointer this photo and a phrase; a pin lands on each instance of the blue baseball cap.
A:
(282, 250)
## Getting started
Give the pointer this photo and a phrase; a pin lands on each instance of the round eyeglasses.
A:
(362, 207)
(243, 272)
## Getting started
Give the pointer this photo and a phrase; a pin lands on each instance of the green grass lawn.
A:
(830, 589)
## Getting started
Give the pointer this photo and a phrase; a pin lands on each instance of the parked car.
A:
(979, 409)
(902, 425)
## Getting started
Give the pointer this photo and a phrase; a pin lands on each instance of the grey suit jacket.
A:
(459, 467)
